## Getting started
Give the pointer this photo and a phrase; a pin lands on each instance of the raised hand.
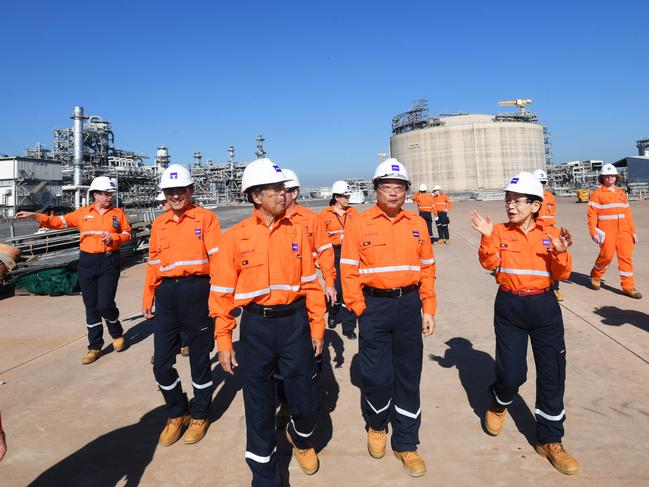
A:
(565, 233)
(483, 225)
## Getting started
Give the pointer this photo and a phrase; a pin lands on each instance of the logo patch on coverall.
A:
(415, 233)
(115, 222)
(197, 231)
(294, 247)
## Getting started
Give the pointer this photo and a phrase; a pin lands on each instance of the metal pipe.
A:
(78, 153)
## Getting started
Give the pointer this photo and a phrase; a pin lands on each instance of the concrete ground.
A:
(97, 425)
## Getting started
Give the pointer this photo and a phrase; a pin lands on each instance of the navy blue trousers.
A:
(442, 225)
(338, 310)
(390, 356)
(181, 306)
(268, 345)
(538, 317)
(428, 217)
(98, 277)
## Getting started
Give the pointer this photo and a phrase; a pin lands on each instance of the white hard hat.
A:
(437, 187)
(391, 169)
(608, 170)
(423, 187)
(541, 175)
(341, 187)
(175, 176)
(525, 183)
(161, 196)
(102, 183)
(292, 180)
(259, 172)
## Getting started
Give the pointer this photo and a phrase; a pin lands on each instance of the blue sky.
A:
(321, 80)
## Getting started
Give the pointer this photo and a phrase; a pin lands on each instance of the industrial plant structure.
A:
(465, 153)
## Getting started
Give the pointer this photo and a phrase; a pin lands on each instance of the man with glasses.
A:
(527, 258)
(388, 280)
(265, 266)
(102, 229)
(182, 246)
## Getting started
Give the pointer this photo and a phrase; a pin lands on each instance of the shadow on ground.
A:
(584, 281)
(614, 316)
(121, 454)
(132, 336)
(476, 371)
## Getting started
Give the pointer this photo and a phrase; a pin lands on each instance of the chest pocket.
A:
(371, 248)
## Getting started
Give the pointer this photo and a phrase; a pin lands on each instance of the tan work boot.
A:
(173, 429)
(376, 441)
(494, 419)
(412, 462)
(559, 458)
(184, 351)
(118, 344)
(306, 458)
(632, 293)
(90, 356)
(558, 295)
(595, 283)
(196, 431)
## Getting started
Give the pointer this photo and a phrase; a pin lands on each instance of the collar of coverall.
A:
(189, 213)
(260, 219)
(537, 226)
(332, 209)
(91, 207)
(376, 212)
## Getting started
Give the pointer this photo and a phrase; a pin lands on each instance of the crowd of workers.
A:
(378, 268)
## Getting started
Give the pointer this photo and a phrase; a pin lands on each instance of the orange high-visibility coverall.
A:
(609, 212)
(548, 211)
(425, 201)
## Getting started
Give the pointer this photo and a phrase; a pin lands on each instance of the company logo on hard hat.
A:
(277, 168)
(173, 175)
(514, 181)
(395, 167)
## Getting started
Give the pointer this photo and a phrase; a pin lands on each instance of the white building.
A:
(29, 184)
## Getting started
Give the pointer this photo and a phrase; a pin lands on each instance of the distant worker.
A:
(335, 219)
(527, 258)
(161, 199)
(442, 204)
(388, 279)
(102, 229)
(181, 258)
(265, 267)
(425, 202)
(611, 225)
(547, 214)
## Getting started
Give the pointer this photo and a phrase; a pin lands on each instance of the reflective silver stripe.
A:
(549, 417)
(525, 272)
(378, 411)
(213, 251)
(610, 217)
(277, 376)
(349, 261)
(595, 266)
(309, 278)
(502, 403)
(314, 376)
(324, 247)
(112, 322)
(65, 222)
(391, 268)
(94, 232)
(252, 294)
(425, 207)
(92, 325)
(303, 435)
(168, 388)
(259, 459)
(547, 217)
(221, 289)
(332, 232)
(626, 274)
(284, 287)
(610, 205)
(403, 412)
(182, 262)
(126, 233)
(202, 386)
(427, 261)
(154, 261)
